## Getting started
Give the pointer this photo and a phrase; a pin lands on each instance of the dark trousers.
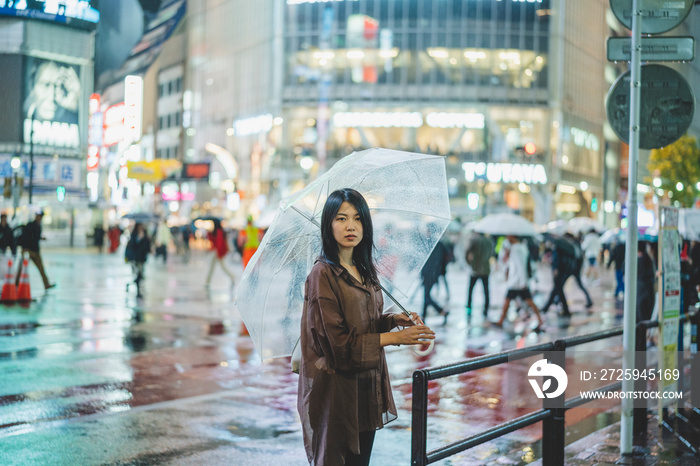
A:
(428, 299)
(577, 276)
(620, 280)
(485, 282)
(366, 443)
(558, 290)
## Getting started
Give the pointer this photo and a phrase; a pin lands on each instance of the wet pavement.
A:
(90, 375)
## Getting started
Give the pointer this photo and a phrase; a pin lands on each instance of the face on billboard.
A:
(53, 91)
(52, 103)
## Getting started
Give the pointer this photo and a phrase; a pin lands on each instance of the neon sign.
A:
(505, 172)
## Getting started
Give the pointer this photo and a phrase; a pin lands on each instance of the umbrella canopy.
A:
(505, 224)
(563, 245)
(141, 217)
(555, 227)
(580, 225)
(620, 235)
(408, 199)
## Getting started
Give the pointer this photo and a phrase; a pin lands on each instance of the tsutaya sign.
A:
(505, 172)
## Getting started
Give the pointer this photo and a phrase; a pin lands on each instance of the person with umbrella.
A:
(478, 255)
(344, 393)
(516, 260)
(136, 254)
(564, 265)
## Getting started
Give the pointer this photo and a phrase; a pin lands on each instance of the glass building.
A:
(511, 92)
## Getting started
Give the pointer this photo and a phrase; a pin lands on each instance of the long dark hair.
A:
(362, 253)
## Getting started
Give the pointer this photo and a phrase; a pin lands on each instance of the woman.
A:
(220, 246)
(136, 253)
(344, 389)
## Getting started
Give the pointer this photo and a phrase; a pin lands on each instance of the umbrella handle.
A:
(403, 309)
(416, 348)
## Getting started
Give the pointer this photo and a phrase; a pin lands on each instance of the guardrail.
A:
(551, 415)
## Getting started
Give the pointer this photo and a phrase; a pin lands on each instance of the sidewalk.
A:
(661, 448)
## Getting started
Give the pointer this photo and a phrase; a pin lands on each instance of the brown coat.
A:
(344, 383)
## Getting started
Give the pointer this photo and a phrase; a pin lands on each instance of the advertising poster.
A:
(51, 103)
(670, 296)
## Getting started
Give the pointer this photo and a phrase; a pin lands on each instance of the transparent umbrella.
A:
(505, 224)
(408, 198)
(578, 225)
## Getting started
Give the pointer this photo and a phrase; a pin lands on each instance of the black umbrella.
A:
(141, 217)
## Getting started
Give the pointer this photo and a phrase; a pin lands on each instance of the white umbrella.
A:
(505, 224)
(555, 227)
(584, 225)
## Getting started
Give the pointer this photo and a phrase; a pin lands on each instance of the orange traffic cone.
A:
(9, 291)
(24, 293)
(243, 331)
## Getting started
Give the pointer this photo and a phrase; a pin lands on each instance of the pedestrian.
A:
(617, 255)
(591, 249)
(136, 253)
(344, 393)
(578, 268)
(430, 274)
(186, 232)
(162, 240)
(31, 235)
(646, 283)
(7, 238)
(114, 235)
(516, 258)
(564, 264)
(98, 237)
(479, 250)
(249, 239)
(219, 244)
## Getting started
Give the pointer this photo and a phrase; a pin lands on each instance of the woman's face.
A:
(347, 228)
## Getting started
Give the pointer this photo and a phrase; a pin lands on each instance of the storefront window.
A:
(453, 43)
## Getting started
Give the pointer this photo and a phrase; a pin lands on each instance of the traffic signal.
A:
(594, 205)
(7, 188)
(61, 193)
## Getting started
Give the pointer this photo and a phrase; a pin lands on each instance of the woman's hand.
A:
(403, 320)
(414, 335)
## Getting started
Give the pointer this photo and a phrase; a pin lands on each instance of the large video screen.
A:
(52, 102)
(75, 13)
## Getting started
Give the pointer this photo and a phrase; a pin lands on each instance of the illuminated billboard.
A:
(74, 13)
(52, 102)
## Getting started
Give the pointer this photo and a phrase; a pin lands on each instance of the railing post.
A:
(639, 413)
(419, 421)
(554, 427)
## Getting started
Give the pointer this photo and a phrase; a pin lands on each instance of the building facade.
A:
(510, 92)
(46, 63)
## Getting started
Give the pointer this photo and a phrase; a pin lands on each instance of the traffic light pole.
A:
(630, 304)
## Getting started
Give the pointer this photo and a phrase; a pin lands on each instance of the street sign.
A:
(666, 109)
(657, 15)
(653, 48)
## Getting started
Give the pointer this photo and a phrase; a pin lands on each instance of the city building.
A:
(511, 92)
(46, 64)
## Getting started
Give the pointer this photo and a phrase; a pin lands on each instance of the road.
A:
(90, 375)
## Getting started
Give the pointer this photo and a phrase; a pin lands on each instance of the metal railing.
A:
(553, 412)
